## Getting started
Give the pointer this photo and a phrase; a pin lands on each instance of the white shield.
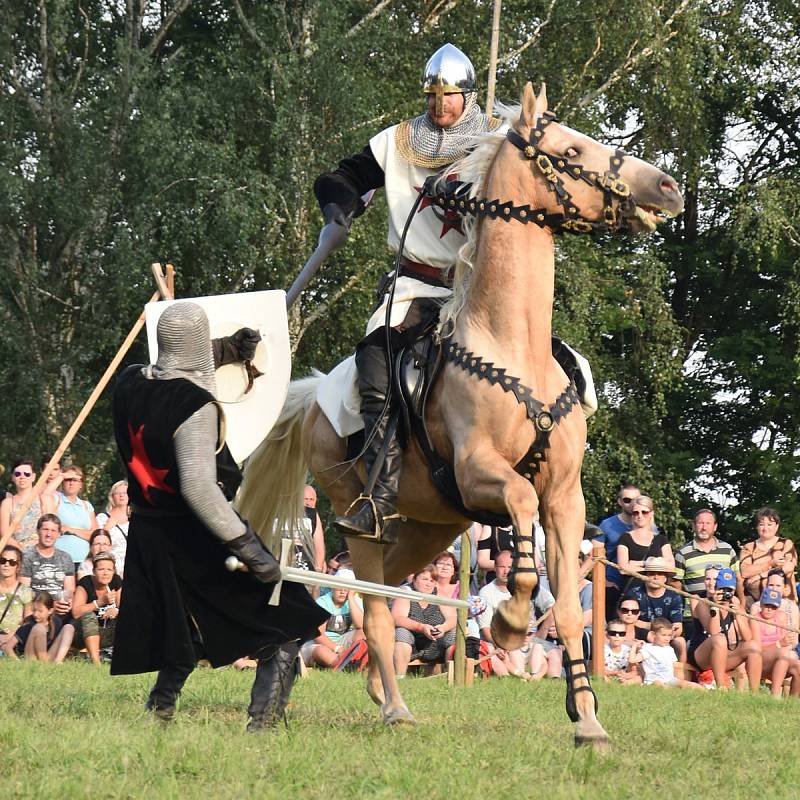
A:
(249, 416)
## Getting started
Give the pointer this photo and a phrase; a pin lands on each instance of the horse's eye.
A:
(571, 152)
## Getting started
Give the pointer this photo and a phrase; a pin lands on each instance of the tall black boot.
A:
(164, 694)
(369, 516)
(275, 676)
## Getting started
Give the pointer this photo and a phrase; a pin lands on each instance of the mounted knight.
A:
(405, 159)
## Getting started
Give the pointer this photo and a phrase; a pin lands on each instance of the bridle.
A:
(454, 195)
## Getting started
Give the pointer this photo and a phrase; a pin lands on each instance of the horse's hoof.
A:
(506, 633)
(398, 716)
(600, 744)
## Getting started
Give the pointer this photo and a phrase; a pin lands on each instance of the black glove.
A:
(250, 550)
(241, 346)
(335, 213)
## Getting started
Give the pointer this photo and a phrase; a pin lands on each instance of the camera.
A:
(726, 595)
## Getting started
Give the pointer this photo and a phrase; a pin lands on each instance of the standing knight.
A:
(180, 601)
(401, 158)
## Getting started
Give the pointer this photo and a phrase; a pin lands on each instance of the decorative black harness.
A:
(454, 195)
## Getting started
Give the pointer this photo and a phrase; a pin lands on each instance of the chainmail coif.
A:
(424, 144)
(184, 346)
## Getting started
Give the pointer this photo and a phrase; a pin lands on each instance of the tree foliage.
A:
(191, 132)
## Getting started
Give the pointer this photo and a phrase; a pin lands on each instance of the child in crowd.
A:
(620, 658)
(38, 639)
(659, 659)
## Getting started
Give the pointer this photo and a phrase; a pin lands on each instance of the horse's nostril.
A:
(668, 186)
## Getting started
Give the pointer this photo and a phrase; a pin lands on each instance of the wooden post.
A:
(460, 655)
(493, 56)
(598, 609)
(84, 412)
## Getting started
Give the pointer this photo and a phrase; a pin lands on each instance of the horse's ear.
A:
(532, 106)
(528, 109)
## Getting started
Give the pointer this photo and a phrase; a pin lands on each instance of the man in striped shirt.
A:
(692, 560)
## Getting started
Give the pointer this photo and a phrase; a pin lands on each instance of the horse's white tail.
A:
(271, 496)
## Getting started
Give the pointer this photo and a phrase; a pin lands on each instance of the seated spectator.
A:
(776, 658)
(48, 569)
(115, 520)
(720, 640)
(447, 567)
(779, 580)
(40, 638)
(23, 476)
(768, 551)
(620, 659)
(585, 596)
(659, 659)
(99, 542)
(96, 606)
(422, 630)
(546, 656)
(655, 601)
(628, 611)
(77, 515)
(15, 598)
(344, 626)
(642, 541)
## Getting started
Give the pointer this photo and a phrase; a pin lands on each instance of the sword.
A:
(307, 578)
(331, 237)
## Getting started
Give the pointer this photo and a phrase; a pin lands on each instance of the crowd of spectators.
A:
(61, 586)
(61, 571)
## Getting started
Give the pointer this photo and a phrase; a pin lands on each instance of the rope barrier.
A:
(643, 577)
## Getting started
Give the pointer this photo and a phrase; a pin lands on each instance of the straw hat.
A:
(658, 564)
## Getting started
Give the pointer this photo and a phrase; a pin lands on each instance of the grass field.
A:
(73, 732)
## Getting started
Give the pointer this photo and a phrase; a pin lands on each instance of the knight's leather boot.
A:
(373, 386)
(275, 676)
(163, 698)
(363, 521)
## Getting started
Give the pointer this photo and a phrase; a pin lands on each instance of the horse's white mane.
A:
(473, 168)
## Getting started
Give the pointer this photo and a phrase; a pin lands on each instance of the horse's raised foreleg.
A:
(563, 515)
(487, 481)
(382, 684)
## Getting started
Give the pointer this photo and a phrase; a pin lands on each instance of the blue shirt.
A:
(613, 527)
(74, 514)
(669, 605)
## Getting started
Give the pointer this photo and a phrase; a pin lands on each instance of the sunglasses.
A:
(616, 633)
(12, 562)
(72, 480)
(640, 513)
(19, 473)
(627, 500)
(629, 610)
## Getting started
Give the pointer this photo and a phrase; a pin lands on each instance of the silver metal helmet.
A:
(448, 71)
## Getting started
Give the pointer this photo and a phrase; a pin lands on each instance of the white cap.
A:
(344, 572)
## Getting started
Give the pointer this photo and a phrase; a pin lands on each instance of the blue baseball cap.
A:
(726, 579)
(771, 597)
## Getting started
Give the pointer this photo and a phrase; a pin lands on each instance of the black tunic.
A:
(175, 577)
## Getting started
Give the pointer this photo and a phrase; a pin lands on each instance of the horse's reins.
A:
(454, 195)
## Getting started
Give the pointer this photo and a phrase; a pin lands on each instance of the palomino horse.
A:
(501, 312)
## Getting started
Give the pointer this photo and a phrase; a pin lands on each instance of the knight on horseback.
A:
(401, 158)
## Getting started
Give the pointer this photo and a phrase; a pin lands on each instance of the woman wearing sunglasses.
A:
(15, 598)
(643, 541)
(23, 477)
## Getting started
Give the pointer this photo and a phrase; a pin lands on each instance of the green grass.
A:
(73, 732)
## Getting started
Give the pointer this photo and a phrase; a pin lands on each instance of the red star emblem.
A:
(147, 476)
(450, 220)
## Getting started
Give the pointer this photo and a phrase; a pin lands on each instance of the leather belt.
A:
(144, 511)
(426, 273)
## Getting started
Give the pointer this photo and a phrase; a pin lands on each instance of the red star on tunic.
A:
(451, 221)
(147, 476)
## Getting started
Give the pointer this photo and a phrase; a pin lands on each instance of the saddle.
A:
(417, 368)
